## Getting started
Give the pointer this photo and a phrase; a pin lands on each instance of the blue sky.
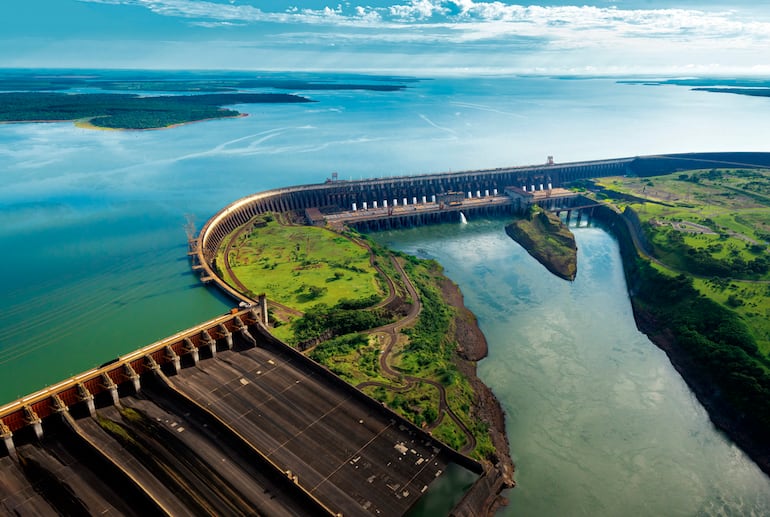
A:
(684, 37)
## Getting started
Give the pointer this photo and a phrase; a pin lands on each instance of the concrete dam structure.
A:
(479, 190)
(400, 191)
(221, 419)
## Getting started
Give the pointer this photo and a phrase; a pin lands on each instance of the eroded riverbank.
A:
(599, 422)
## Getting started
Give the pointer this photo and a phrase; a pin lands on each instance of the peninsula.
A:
(548, 240)
(387, 323)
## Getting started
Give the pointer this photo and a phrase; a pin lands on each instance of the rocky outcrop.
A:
(548, 240)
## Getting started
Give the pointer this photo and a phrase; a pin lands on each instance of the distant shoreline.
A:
(85, 123)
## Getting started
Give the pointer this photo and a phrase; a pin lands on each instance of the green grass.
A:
(731, 203)
(735, 204)
(418, 405)
(353, 357)
(300, 266)
(750, 301)
(450, 434)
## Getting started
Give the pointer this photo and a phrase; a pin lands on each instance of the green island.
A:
(388, 323)
(754, 92)
(124, 111)
(695, 252)
(737, 86)
(548, 240)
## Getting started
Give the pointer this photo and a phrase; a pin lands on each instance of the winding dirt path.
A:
(391, 332)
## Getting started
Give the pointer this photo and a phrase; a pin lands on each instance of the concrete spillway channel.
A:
(143, 460)
(243, 431)
(349, 455)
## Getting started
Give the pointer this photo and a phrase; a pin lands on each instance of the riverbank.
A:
(548, 240)
(472, 347)
(714, 393)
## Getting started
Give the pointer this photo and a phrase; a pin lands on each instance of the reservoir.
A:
(599, 422)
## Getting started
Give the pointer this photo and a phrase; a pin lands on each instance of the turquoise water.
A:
(598, 420)
(93, 254)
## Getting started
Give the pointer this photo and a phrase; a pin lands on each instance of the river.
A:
(598, 420)
(94, 263)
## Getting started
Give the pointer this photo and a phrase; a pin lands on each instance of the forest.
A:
(128, 111)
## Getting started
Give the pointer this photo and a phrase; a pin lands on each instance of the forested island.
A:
(125, 111)
(695, 252)
(741, 86)
(200, 82)
(548, 240)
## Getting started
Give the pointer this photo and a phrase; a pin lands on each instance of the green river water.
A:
(599, 422)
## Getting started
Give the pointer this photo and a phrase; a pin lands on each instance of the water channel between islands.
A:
(599, 421)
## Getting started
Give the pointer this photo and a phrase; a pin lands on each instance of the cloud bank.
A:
(585, 36)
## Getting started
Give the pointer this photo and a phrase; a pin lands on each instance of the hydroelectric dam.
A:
(223, 418)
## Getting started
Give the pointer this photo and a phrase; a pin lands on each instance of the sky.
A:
(593, 37)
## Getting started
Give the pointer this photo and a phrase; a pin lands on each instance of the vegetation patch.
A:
(122, 111)
(323, 321)
(298, 266)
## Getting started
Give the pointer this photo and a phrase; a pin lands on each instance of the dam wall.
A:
(122, 373)
(665, 164)
(341, 195)
(225, 388)
(336, 196)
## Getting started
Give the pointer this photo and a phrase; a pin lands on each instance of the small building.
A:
(550, 198)
(314, 217)
(521, 200)
(450, 198)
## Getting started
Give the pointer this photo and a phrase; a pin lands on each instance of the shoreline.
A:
(85, 123)
(721, 416)
(472, 347)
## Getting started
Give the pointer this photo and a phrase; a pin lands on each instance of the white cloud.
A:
(471, 20)
(591, 36)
